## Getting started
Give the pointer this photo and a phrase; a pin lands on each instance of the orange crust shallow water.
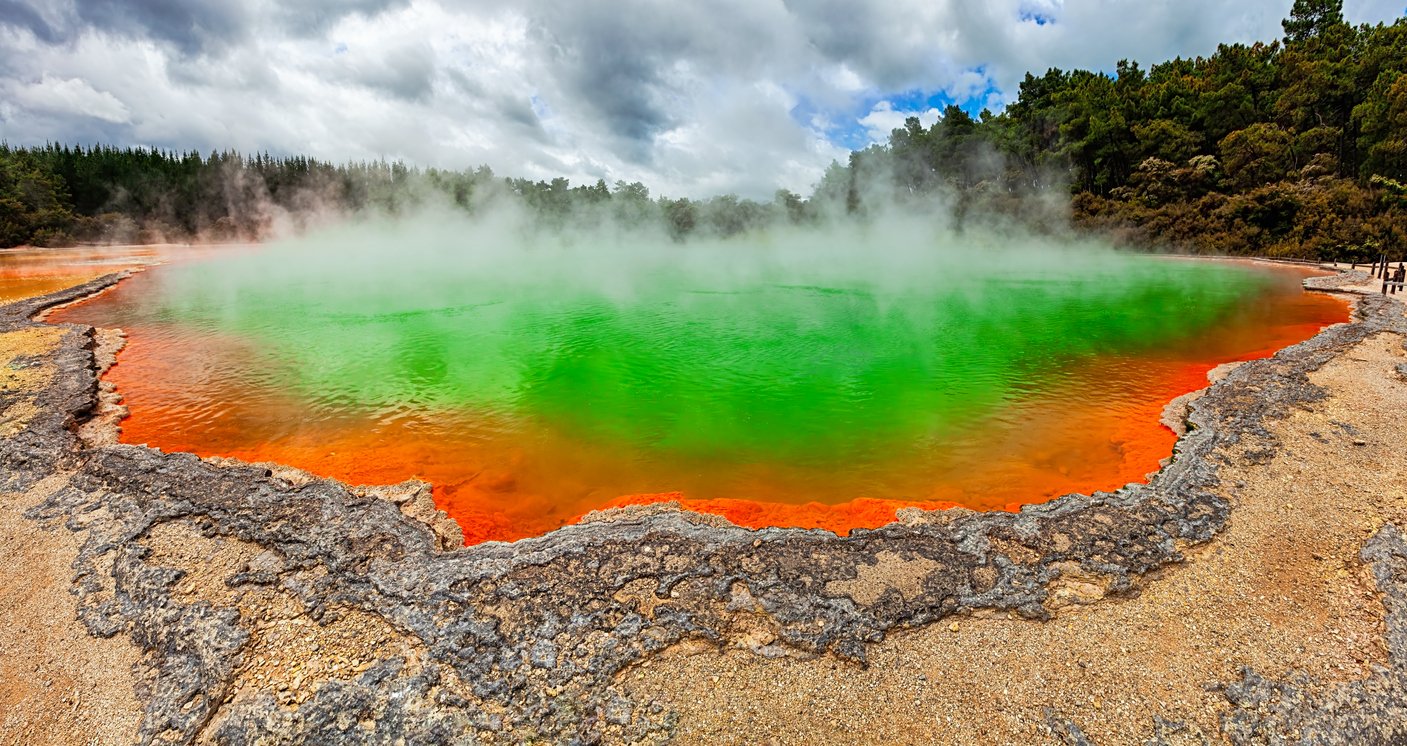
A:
(502, 492)
(1088, 452)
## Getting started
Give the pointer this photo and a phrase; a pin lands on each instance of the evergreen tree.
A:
(1310, 19)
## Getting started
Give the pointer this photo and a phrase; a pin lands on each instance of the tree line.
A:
(1292, 148)
(1296, 147)
(59, 195)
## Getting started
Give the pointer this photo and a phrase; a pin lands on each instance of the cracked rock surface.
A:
(274, 608)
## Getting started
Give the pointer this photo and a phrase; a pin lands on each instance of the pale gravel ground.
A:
(58, 684)
(1281, 589)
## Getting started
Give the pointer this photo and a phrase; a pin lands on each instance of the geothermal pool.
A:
(794, 383)
(26, 273)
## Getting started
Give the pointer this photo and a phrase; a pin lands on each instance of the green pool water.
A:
(533, 377)
(707, 351)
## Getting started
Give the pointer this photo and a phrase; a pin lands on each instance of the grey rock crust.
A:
(521, 641)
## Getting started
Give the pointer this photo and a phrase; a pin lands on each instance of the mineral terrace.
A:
(161, 598)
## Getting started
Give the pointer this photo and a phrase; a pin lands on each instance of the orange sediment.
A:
(523, 484)
(29, 273)
(1074, 448)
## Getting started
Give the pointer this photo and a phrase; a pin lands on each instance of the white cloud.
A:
(845, 79)
(70, 96)
(884, 118)
(690, 98)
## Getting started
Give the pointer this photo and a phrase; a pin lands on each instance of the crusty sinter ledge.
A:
(276, 609)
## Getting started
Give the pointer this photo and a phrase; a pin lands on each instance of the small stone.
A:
(619, 711)
(1360, 442)
(953, 627)
(544, 654)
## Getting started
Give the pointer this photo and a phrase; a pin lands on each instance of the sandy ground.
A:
(58, 684)
(1282, 589)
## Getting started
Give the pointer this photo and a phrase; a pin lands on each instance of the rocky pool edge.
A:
(526, 638)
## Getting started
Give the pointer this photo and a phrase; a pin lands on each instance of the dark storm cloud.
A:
(307, 17)
(901, 45)
(839, 29)
(614, 67)
(191, 26)
(630, 62)
(194, 26)
(626, 91)
(17, 14)
(521, 114)
(513, 108)
(406, 72)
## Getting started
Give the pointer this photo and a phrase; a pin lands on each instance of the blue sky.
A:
(856, 127)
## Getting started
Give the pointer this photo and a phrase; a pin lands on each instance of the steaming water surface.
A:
(26, 273)
(532, 381)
